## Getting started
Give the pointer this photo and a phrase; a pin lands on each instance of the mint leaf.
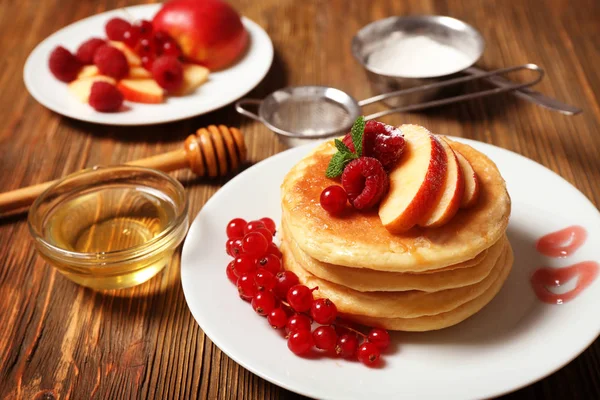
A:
(357, 131)
(342, 148)
(337, 164)
(344, 155)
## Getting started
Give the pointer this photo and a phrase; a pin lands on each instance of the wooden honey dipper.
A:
(213, 151)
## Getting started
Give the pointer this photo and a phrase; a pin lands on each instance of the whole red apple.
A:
(209, 32)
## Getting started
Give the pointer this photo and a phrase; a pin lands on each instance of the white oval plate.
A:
(222, 88)
(514, 341)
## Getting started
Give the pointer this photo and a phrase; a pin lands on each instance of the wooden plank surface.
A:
(59, 340)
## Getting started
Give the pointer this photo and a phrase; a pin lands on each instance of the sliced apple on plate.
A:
(141, 90)
(88, 71)
(132, 59)
(81, 88)
(193, 77)
(416, 182)
(451, 195)
(139, 73)
(471, 189)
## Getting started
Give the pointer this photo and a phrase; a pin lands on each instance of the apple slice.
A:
(193, 77)
(141, 90)
(452, 192)
(139, 73)
(471, 193)
(88, 71)
(132, 59)
(416, 182)
(81, 88)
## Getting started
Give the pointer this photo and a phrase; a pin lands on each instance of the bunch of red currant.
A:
(140, 37)
(257, 272)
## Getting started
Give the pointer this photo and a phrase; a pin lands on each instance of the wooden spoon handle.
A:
(23, 197)
(213, 151)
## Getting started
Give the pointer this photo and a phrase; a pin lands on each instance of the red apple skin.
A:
(209, 32)
(428, 191)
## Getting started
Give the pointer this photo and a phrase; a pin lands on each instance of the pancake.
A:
(366, 280)
(407, 304)
(446, 319)
(359, 240)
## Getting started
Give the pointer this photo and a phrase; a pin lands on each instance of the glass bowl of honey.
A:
(110, 227)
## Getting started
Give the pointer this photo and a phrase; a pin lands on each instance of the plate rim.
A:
(309, 391)
(33, 91)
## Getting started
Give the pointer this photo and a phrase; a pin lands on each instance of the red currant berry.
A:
(271, 263)
(285, 280)
(264, 279)
(325, 338)
(147, 61)
(300, 342)
(228, 246)
(269, 224)
(298, 322)
(380, 338)
(300, 298)
(233, 278)
(334, 199)
(277, 318)
(144, 28)
(235, 228)
(236, 248)
(145, 47)
(159, 38)
(255, 244)
(263, 303)
(266, 233)
(246, 287)
(131, 37)
(243, 264)
(252, 226)
(346, 345)
(170, 48)
(323, 311)
(273, 249)
(368, 354)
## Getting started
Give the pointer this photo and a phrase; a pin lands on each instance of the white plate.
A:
(512, 342)
(222, 88)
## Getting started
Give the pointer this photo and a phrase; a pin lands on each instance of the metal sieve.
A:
(313, 112)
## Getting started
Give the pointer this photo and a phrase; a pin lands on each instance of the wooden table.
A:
(59, 340)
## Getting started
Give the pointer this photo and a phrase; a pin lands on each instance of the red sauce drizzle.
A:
(562, 243)
(543, 278)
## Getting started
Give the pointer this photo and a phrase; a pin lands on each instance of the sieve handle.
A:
(528, 94)
(455, 99)
(239, 107)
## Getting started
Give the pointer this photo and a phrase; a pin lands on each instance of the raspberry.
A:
(85, 52)
(388, 149)
(365, 181)
(167, 71)
(112, 62)
(116, 28)
(63, 65)
(380, 141)
(105, 97)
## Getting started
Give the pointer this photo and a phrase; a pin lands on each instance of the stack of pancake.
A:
(421, 280)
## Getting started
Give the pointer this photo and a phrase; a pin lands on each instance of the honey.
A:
(108, 219)
(112, 234)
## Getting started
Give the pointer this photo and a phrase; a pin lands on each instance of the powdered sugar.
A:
(417, 56)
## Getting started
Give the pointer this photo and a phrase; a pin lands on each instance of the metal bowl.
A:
(446, 30)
